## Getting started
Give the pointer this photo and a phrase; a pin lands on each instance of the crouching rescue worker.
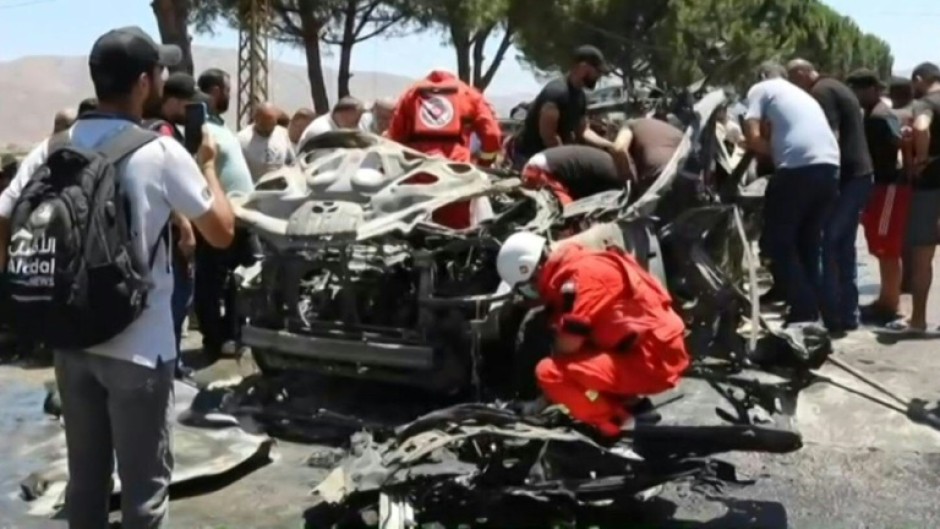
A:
(438, 116)
(617, 337)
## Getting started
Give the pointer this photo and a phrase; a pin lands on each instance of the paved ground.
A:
(863, 466)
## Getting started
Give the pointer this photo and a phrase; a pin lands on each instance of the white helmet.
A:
(519, 256)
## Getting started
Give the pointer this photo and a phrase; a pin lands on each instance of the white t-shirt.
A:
(321, 125)
(159, 178)
(325, 124)
(265, 154)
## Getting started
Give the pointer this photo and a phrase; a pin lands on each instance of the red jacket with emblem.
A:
(609, 299)
(439, 114)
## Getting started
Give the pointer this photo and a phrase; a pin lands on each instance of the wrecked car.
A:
(358, 279)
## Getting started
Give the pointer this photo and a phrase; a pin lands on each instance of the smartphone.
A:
(196, 115)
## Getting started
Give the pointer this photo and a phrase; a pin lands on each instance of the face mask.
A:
(528, 291)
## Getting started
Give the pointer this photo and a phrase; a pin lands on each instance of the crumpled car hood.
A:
(362, 192)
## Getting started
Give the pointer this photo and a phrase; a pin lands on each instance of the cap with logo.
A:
(121, 55)
(592, 56)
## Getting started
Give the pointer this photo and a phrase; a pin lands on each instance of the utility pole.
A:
(252, 57)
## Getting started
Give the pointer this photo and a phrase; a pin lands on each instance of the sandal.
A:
(903, 328)
(878, 315)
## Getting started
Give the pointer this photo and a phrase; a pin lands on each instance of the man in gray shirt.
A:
(788, 124)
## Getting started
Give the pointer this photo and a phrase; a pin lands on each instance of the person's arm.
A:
(621, 153)
(754, 139)
(549, 115)
(187, 242)
(290, 156)
(829, 102)
(199, 197)
(592, 292)
(923, 118)
(589, 137)
(12, 193)
(487, 129)
(399, 128)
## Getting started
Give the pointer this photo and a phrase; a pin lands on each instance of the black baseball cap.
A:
(593, 56)
(864, 78)
(121, 55)
(179, 85)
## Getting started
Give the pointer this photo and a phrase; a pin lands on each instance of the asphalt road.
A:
(863, 466)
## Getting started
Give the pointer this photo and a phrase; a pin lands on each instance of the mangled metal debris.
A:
(476, 463)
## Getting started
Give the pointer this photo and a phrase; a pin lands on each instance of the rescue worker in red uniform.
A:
(617, 338)
(438, 116)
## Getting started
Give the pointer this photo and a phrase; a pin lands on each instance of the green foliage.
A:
(675, 42)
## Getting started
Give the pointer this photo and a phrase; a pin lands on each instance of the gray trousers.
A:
(116, 407)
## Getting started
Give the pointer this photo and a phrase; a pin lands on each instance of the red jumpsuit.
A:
(438, 116)
(634, 341)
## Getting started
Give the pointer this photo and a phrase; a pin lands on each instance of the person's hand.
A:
(567, 343)
(207, 149)
(187, 244)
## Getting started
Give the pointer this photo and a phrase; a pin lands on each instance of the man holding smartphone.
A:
(117, 397)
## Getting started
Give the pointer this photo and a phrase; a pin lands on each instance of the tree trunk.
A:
(311, 40)
(462, 48)
(172, 17)
(346, 48)
(487, 75)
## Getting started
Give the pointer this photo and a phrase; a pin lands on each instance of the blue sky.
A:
(68, 27)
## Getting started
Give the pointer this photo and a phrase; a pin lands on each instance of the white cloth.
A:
(159, 178)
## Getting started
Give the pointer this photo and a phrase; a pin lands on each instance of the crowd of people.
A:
(844, 151)
(839, 152)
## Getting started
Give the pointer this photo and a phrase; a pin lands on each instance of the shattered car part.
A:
(473, 462)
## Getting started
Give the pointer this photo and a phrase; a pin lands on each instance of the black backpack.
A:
(73, 277)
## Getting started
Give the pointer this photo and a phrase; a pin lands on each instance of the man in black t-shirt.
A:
(840, 259)
(885, 216)
(572, 172)
(558, 115)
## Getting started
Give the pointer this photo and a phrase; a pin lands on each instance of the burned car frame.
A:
(358, 279)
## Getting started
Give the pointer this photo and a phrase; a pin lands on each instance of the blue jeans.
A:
(840, 261)
(802, 198)
(182, 298)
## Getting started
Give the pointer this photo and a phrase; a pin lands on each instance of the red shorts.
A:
(885, 219)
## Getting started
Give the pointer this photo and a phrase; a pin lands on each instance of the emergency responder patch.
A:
(436, 112)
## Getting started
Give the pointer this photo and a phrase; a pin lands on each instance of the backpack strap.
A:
(125, 142)
(164, 237)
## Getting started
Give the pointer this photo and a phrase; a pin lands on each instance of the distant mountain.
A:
(32, 89)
